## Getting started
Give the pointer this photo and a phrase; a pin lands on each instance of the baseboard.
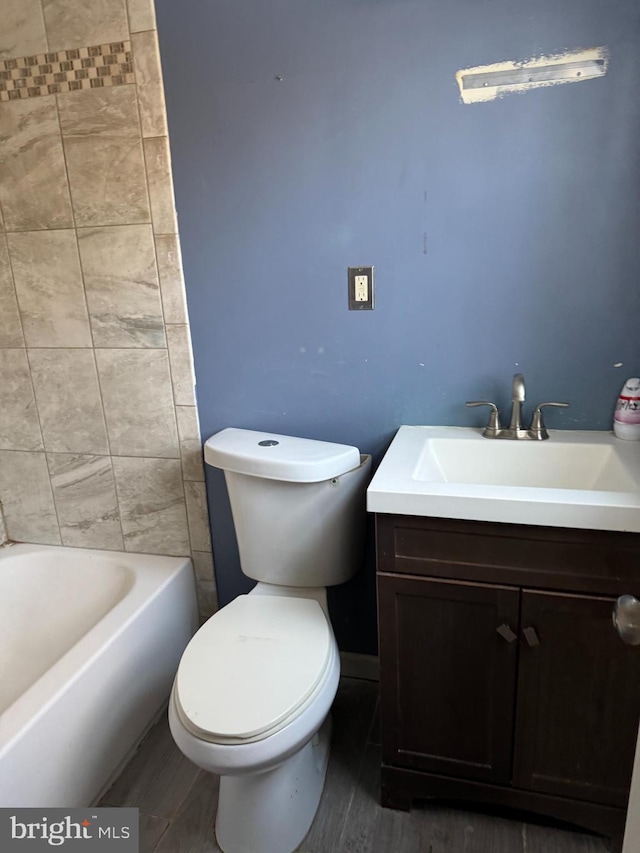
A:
(360, 666)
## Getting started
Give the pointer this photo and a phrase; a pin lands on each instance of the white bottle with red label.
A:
(626, 420)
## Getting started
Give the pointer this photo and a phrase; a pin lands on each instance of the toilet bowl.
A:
(272, 780)
(252, 695)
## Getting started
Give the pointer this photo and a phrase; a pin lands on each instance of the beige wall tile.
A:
(110, 113)
(77, 23)
(68, 400)
(206, 584)
(190, 443)
(181, 365)
(3, 529)
(152, 510)
(86, 166)
(146, 65)
(101, 133)
(48, 282)
(203, 566)
(22, 30)
(136, 389)
(27, 502)
(207, 600)
(19, 427)
(10, 325)
(33, 189)
(85, 498)
(107, 181)
(122, 286)
(142, 15)
(199, 532)
(163, 213)
(174, 299)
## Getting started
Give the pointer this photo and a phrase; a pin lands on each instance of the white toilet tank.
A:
(298, 505)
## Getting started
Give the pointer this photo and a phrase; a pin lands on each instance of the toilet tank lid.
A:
(279, 457)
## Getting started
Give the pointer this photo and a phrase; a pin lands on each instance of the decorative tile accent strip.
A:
(66, 70)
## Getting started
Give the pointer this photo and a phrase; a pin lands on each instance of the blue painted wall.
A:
(504, 235)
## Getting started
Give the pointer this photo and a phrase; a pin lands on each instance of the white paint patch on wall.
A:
(488, 82)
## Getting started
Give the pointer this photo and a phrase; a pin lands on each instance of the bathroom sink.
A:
(561, 465)
(574, 479)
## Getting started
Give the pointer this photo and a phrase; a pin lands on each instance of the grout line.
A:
(44, 448)
(117, 491)
(98, 455)
(157, 268)
(53, 496)
(3, 220)
(107, 349)
(44, 27)
(107, 225)
(66, 167)
(15, 293)
(128, 17)
(86, 300)
(37, 409)
(119, 224)
(78, 227)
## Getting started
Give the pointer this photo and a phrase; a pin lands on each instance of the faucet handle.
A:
(537, 421)
(494, 416)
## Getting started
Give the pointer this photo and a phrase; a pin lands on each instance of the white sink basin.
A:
(541, 465)
(574, 479)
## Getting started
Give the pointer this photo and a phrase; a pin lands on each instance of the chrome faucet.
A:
(536, 432)
(517, 399)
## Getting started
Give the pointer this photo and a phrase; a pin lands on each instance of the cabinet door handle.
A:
(506, 633)
(531, 636)
(626, 619)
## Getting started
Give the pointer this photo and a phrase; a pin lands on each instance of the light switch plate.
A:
(360, 283)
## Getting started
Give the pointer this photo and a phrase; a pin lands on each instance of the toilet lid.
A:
(251, 665)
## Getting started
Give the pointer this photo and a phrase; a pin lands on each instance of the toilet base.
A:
(272, 812)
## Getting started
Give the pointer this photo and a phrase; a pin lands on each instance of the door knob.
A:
(626, 619)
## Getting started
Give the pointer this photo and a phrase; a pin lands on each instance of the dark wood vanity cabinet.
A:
(502, 677)
(447, 686)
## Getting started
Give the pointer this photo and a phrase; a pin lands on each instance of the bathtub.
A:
(89, 644)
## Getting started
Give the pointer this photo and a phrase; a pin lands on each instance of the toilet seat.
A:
(252, 667)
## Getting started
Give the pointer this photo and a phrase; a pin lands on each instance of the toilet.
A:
(251, 698)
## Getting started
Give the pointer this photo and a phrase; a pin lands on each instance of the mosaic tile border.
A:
(66, 70)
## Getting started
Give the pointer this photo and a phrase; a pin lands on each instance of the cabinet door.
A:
(578, 700)
(447, 677)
